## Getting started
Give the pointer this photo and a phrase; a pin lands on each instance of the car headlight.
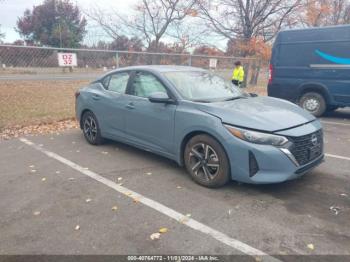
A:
(257, 137)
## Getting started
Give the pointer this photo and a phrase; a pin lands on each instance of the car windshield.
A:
(202, 86)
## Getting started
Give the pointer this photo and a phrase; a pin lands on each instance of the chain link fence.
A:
(24, 60)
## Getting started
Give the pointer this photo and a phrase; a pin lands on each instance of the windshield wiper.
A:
(202, 101)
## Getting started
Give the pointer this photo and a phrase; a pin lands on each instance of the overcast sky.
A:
(10, 10)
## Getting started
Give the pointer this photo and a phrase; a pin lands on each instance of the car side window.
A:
(118, 82)
(144, 84)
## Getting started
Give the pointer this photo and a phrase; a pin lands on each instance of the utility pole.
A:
(59, 23)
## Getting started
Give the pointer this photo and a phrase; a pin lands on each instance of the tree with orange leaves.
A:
(325, 12)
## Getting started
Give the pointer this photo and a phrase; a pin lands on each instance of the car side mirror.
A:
(160, 97)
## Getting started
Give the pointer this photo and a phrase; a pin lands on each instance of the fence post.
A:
(117, 59)
(190, 60)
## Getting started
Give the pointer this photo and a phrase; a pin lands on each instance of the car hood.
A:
(259, 113)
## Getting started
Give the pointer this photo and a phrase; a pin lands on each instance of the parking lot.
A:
(61, 195)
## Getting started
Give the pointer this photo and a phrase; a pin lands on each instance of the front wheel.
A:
(206, 161)
(314, 103)
(91, 129)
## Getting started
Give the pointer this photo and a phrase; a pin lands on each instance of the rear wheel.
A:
(91, 129)
(206, 161)
(314, 103)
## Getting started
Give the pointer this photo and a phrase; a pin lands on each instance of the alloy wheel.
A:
(90, 128)
(311, 104)
(204, 161)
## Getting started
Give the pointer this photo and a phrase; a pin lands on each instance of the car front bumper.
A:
(274, 165)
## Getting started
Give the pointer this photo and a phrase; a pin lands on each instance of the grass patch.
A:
(24, 103)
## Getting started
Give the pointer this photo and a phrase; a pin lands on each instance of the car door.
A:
(110, 104)
(148, 124)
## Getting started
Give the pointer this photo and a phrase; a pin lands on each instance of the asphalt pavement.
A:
(60, 195)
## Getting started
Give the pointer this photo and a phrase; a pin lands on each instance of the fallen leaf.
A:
(33, 171)
(136, 200)
(128, 193)
(58, 172)
(155, 236)
(184, 219)
(178, 187)
(149, 174)
(114, 208)
(78, 151)
(88, 200)
(31, 166)
(77, 227)
(311, 246)
(71, 179)
(344, 195)
(86, 168)
(163, 230)
(104, 152)
(120, 178)
(335, 209)
(36, 213)
(43, 179)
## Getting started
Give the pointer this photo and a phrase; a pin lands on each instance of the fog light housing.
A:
(253, 165)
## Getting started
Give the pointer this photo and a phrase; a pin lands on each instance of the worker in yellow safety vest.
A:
(238, 74)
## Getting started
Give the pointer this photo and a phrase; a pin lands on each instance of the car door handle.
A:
(130, 105)
(95, 97)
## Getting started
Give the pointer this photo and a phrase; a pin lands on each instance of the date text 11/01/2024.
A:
(173, 258)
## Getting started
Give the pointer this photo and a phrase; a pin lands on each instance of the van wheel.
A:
(206, 161)
(314, 103)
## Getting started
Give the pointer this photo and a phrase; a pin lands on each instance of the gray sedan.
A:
(202, 122)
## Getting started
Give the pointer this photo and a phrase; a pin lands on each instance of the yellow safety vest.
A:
(238, 74)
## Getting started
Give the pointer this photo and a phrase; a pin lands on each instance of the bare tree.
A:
(246, 19)
(318, 13)
(151, 19)
(111, 23)
(188, 34)
(2, 35)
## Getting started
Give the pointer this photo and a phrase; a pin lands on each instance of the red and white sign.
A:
(213, 62)
(67, 59)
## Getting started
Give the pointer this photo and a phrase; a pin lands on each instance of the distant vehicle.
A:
(311, 67)
(202, 122)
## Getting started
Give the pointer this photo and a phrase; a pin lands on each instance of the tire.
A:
(206, 161)
(91, 129)
(314, 103)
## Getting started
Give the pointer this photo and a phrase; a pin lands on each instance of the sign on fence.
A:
(67, 59)
(213, 62)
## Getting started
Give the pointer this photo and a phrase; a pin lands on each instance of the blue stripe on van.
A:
(334, 59)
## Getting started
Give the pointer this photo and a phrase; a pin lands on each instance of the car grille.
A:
(303, 146)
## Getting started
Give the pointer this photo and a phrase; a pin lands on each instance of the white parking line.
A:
(339, 157)
(194, 224)
(334, 123)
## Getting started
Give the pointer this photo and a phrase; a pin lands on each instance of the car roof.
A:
(160, 68)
